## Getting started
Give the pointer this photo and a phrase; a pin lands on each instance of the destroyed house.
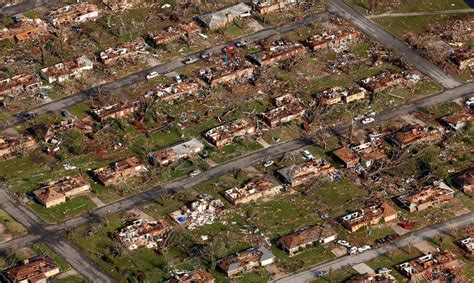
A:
(196, 276)
(302, 238)
(142, 233)
(465, 180)
(264, 7)
(73, 14)
(19, 83)
(346, 156)
(458, 121)
(245, 261)
(67, 70)
(25, 29)
(277, 53)
(463, 58)
(365, 154)
(382, 82)
(200, 212)
(372, 278)
(337, 94)
(411, 135)
(296, 175)
(115, 111)
(122, 52)
(13, 146)
(177, 152)
(332, 40)
(58, 191)
(288, 109)
(35, 269)
(429, 196)
(228, 71)
(45, 132)
(223, 17)
(164, 37)
(174, 33)
(224, 134)
(257, 188)
(467, 245)
(173, 91)
(120, 5)
(429, 267)
(119, 171)
(370, 215)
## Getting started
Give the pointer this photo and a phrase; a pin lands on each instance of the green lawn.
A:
(15, 228)
(399, 26)
(70, 279)
(64, 211)
(340, 275)
(41, 249)
(394, 258)
(411, 6)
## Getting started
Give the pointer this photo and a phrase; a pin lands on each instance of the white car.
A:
(194, 173)
(344, 243)
(352, 250)
(367, 121)
(371, 113)
(268, 163)
(358, 117)
(307, 155)
(189, 61)
(364, 248)
(470, 101)
(152, 75)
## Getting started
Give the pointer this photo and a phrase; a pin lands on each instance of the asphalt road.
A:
(412, 237)
(371, 29)
(23, 7)
(164, 68)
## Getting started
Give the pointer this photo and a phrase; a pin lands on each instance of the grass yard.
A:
(13, 227)
(41, 249)
(340, 275)
(64, 211)
(412, 6)
(394, 258)
(399, 26)
(70, 279)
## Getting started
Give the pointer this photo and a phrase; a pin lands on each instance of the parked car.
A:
(205, 154)
(268, 163)
(206, 55)
(229, 48)
(371, 113)
(181, 78)
(307, 155)
(470, 101)
(368, 121)
(344, 243)
(358, 117)
(363, 248)
(352, 250)
(320, 273)
(195, 173)
(190, 61)
(240, 44)
(152, 75)
(384, 270)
